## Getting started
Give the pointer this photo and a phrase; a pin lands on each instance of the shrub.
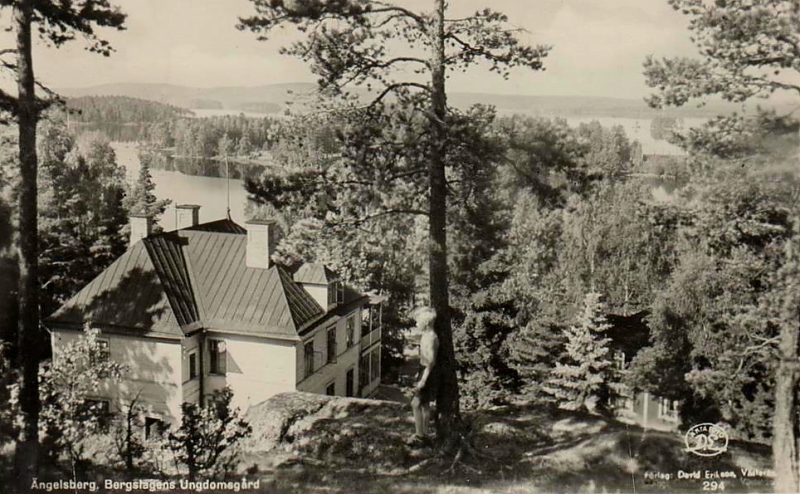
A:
(207, 437)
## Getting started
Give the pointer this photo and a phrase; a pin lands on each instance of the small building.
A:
(629, 334)
(194, 310)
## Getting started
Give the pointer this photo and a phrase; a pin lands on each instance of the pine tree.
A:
(56, 23)
(351, 50)
(586, 379)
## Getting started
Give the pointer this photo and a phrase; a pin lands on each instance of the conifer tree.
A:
(748, 49)
(351, 43)
(56, 23)
(585, 380)
(142, 198)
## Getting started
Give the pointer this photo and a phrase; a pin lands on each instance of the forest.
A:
(530, 238)
(120, 110)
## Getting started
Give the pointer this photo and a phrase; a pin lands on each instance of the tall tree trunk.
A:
(785, 443)
(28, 325)
(447, 397)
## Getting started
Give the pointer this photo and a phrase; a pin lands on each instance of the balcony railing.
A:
(370, 338)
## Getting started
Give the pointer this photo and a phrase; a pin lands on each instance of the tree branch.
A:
(386, 7)
(394, 87)
(388, 212)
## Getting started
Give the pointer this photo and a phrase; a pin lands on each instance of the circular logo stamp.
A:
(706, 439)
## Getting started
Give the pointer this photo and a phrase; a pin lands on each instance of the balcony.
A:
(371, 338)
(371, 322)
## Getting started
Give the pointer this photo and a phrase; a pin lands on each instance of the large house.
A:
(203, 307)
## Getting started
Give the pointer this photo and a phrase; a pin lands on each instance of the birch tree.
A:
(748, 49)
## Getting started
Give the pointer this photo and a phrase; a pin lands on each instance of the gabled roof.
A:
(315, 273)
(190, 278)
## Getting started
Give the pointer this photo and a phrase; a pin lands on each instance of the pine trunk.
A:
(28, 251)
(785, 424)
(447, 397)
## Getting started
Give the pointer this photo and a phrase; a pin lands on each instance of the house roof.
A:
(314, 273)
(175, 282)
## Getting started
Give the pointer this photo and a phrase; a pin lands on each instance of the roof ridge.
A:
(281, 282)
(169, 260)
(299, 314)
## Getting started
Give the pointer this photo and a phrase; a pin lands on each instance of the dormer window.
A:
(335, 293)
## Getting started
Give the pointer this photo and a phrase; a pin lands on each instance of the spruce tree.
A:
(142, 199)
(585, 379)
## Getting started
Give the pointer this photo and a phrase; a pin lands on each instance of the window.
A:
(349, 391)
(668, 409)
(332, 344)
(351, 331)
(218, 356)
(309, 358)
(375, 314)
(153, 428)
(624, 402)
(619, 358)
(335, 292)
(365, 318)
(192, 365)
(331, 389)
(101, 409)
(375, 364)
(101, 353)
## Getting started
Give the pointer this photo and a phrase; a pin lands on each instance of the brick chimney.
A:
(141, 227)
(186, 216)
(261, 243)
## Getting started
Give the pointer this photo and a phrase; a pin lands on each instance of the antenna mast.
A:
(228, 183)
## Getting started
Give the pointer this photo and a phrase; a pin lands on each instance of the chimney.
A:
(186, 216)
(261, 243)
(141, 227)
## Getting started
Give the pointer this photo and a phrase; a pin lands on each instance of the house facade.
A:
(192, 311)
(629, 334)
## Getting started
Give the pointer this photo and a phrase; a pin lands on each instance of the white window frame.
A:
(104, 355)
(668, 409)
(350, 336)
(221, 359)
(193, 353)
(147, 433)
(308, 358)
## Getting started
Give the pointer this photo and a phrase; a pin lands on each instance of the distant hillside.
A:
(275, 97)
(264, 99)
(121, 110)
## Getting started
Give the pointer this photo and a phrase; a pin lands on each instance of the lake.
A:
(210, 193)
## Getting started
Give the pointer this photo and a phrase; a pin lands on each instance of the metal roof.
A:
(128, 294)
(192, 276)
(314, 273)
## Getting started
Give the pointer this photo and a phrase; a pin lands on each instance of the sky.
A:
(598, 47)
